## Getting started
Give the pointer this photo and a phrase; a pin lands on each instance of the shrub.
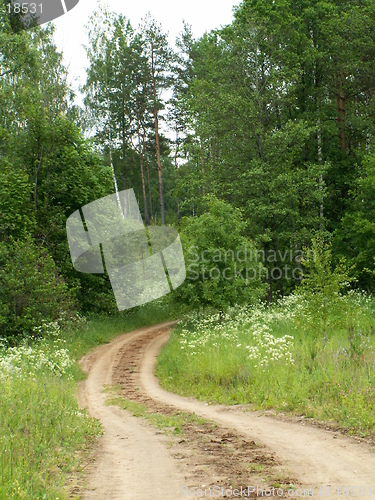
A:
(321, 288)
(220, 264)
(30, 289)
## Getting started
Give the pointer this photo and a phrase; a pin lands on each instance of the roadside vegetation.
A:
(311, 353)
(45, 437)
(264, 356)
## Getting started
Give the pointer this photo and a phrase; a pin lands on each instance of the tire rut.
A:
(231, 448)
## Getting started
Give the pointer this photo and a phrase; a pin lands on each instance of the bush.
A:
(30, 289)
(321, 288)
(221, 265)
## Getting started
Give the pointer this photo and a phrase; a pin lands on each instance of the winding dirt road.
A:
(138, 462)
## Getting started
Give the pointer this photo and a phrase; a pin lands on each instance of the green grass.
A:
(331, 378)
(170, 423)
(42, 429)
(45, 437)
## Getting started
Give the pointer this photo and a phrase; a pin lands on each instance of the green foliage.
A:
(30, 289)
(355, 239)
(221, 263)
(277, 125)
(47, 169)
(321, 288)
(246, 148)
(17, 218)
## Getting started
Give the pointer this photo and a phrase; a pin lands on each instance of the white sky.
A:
(203, 15)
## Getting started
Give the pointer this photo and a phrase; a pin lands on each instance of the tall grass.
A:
(44, 435)
(41, 430)
(268, 358)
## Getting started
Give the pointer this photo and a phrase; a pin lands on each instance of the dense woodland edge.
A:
(257, 135)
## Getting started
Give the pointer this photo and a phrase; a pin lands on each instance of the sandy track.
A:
(134, 463)
(317, 457)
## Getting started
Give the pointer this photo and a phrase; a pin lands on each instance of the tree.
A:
(279, 112)
(244, 146)
(128, 74)
(30, 289)
(159, 56)
(47, 169)
(222, 269)
(113, 53)
(321, 288)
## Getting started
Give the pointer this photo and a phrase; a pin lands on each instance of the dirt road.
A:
(244, 449)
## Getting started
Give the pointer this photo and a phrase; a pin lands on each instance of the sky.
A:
(71, 34)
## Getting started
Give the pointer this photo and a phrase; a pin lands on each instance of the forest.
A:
(256, 142)
(262, 132)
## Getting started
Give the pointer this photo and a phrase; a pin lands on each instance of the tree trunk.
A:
(160, 176)
(203, 167)
(341, 107)
(123, 145)
(115, 181)
(176, 169)
(36, 183)
(141, 156)
(149, 189)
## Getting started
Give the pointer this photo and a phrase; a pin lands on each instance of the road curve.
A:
(319, 458)
(134, 462)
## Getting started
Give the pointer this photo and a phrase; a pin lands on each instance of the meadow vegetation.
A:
(311, 353)
(266, 356)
